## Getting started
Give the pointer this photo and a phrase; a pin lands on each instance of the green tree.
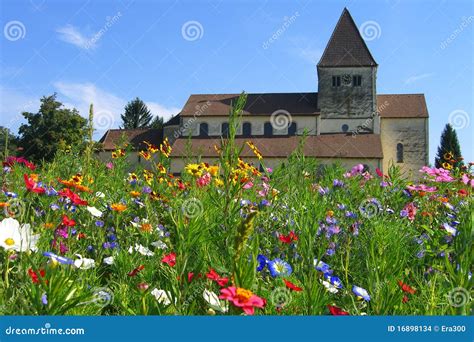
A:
(157, 122)
(137, 115)
(449, 149)
(53, 126)
(8, 140)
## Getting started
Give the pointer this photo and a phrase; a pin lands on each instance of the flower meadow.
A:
(82, 237)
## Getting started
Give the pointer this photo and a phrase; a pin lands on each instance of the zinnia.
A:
(242, 298)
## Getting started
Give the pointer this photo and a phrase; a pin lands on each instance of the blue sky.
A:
(108, 52)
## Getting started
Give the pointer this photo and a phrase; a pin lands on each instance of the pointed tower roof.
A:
(346, 47)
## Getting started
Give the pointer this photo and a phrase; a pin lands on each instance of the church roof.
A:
(389, 106)
(322, 146)
(134, 137)
(346, 47)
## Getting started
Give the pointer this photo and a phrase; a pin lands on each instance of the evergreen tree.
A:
(449, 151)
(137, 115)
(157, 122)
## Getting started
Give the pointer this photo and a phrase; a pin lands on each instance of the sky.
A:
(109, 52)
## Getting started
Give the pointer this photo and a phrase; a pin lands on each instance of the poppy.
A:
(335, 311)
(288, 238)
(68, 222)
(169, 259)
(135, 271)
(406, 288)
(292, 286)
(213, 275)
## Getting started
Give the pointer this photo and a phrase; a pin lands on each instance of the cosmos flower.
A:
(242, 298)
(360, 293)
(16, 237)
(278, 267)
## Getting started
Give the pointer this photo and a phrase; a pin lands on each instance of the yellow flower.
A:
(145, 155)
(213, 170)
(118, 207)
(134, 193)
(447, 166)
(448, 156)
(193, 169)
(218, 182)
(254, 150)
(161, 168)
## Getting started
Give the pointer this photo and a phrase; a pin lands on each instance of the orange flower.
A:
(134, 193)
(146, 227)
(48, 225)
(4, 204)
(118, 207)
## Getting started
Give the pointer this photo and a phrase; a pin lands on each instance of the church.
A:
(345, 121)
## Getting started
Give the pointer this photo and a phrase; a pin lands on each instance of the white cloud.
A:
(415, 78)
(13, 104)
(165, 113)
(71, 34)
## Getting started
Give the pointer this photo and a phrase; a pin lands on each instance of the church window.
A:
(356, 80)
(225, 129)
(336, 81)
(399, 153)
(247, 129)
(203, 129)
(267, 129)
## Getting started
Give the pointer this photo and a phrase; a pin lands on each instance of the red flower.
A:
(242, 298)
(190, 276)
(68, 222)
(406, 288)
(335, 311)
(135, 271)
(32, 186)
(292, 286)
(379, 172)
(72, 196)
(213, 275)
(34, 276)
(169, 259)
(288, 238)
(405, 299)
(462, 192)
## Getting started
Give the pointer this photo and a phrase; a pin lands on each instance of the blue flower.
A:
(361, 293)
(10, 194)
(279, 267)
(337, 183)
(321, 266)
(58, 258)
(262, 262)
(99, 223)
(333, 280)
(44, 299)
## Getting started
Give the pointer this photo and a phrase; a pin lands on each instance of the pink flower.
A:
(440, 175)
(421, 187)
(242, 298)
(465, 179)
(356, 170)
(410, 211)
(109, 165)
(203, 180)
(247, 185)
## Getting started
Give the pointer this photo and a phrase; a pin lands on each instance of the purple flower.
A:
(99, 223)
(44, 299)
(337, 183)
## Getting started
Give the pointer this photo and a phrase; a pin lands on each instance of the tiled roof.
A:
(323, 146)
(135, 137)
(402, 106)
(346, 47)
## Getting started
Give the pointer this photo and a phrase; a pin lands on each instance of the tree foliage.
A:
(449, 150)
(11, 141)
(51, 128)
(137, 115)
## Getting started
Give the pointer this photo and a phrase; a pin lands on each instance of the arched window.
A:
(267, 129)
(292, 129)
(247, 129)
(399, 153)
(203, 129)
(225, 129)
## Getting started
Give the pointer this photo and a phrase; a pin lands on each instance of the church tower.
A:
(347, 81)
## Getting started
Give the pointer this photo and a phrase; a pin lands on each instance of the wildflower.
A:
(84, 263)
(262, 262)
(58, 259)
(32, 185)
(44, 299)
(140, 249)
(203, 180)
(73, 197)
(321, 266)
(169, 259)
(143, 286)
(68, 222)
(162, 296)
(16, 237)
(109, 165)
(333, 280)
(409, 211)
(335, 311)
(145, 155)
(34, 276)
(242, 298)
(213, 300)
(288, 238)
(254, 150)
(136, 270)
(292, 286)
(94, 211)
(406, 288)
(330, 287)
(450, 229)
(109, 260)
(119, 207)
(360, 293)
(279, 267)
(213, 275)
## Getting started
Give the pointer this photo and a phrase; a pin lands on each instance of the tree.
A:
(137, 115)
(449, 151)
(157, 122)
(9, 140)
(53, 126)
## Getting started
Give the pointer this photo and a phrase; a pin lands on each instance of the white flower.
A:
(94, 211)
(99, 194)
(162, 296)
(330, 287)
(109, 260)
(84, 263)
(16, 237)
(141, 249)
(159, 244)
(214, 302)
